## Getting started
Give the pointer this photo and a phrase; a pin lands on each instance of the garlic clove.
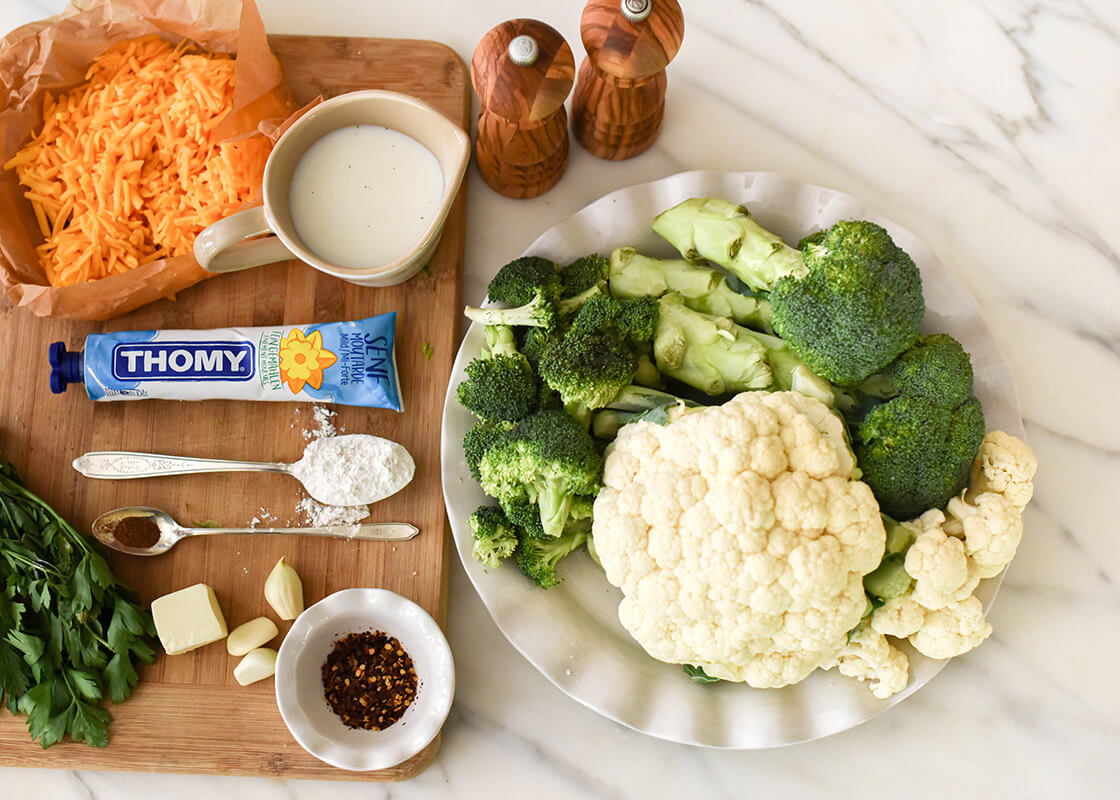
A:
(256, 666)
(251, 635)
(284, 591)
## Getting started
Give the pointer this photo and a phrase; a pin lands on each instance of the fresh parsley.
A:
(70, 633)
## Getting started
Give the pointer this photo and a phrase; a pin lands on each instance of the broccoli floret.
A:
(537, 558)
(582, 274)
(499, 388)
(708, 353)
(547, 458)
(632, 318)
(535, 342)
(530, 286)
(546, 309)
(913, 466)
(858, 307)
(588, 368)
(936, 367)
(916, 454)
(495, 537)
(703, 289)
(480, 438)
(522, 279)
(525, 514)
(724, 233)
(848, 305)
(816, 237)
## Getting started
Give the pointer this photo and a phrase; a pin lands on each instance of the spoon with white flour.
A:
(351, 470)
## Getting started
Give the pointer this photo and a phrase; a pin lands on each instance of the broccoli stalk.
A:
(791, 374)
(703, 289)
(547, 458)
(529, 286)
(724, 233)
(500, 340)
(647, 373)
(635, 404)
(537, 558)
(711, 354)
(544, 310)
(495, 537)
(540, 312)
(848, 304)
(890, 579)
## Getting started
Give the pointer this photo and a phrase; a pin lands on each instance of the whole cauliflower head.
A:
(738, 537)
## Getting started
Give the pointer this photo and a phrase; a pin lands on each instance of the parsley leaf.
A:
(70, 633)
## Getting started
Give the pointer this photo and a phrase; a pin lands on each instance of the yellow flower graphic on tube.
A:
(303, 359)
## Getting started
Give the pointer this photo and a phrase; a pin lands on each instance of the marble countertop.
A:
(989, 129)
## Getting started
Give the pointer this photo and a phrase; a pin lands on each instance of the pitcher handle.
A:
(222, 247)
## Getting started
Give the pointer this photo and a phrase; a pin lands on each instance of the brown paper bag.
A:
(53, 55)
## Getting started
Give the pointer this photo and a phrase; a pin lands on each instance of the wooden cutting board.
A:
(188, 714)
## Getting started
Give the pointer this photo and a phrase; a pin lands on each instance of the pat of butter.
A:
(188, 619)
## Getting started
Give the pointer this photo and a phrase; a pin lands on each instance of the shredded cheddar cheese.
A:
(126, 169)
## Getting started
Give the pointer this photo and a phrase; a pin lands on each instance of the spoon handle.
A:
(368, 531)
(119, 464)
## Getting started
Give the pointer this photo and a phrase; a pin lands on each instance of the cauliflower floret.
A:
(738, 538)
(900, 616)
(868, 656)
(952, 630)
(992, 530)
(1004, 465)
(940, 568)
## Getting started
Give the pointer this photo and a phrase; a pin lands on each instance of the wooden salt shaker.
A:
(522, 71)
(620, 94)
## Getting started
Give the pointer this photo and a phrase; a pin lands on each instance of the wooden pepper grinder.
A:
(620, 94)
(522, 71)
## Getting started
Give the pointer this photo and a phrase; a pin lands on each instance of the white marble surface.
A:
(987, 127)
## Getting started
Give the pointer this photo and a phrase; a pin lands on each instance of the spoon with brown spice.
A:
(143, 531)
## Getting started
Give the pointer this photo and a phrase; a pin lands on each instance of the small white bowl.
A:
(299, 679)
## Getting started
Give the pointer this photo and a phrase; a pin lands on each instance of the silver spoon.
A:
(352, 470)
(171, 532)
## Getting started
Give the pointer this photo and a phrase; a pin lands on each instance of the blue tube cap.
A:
(66, 368)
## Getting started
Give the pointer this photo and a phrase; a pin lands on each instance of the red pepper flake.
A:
(369, 680)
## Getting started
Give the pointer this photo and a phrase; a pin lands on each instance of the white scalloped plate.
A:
(571, 633)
